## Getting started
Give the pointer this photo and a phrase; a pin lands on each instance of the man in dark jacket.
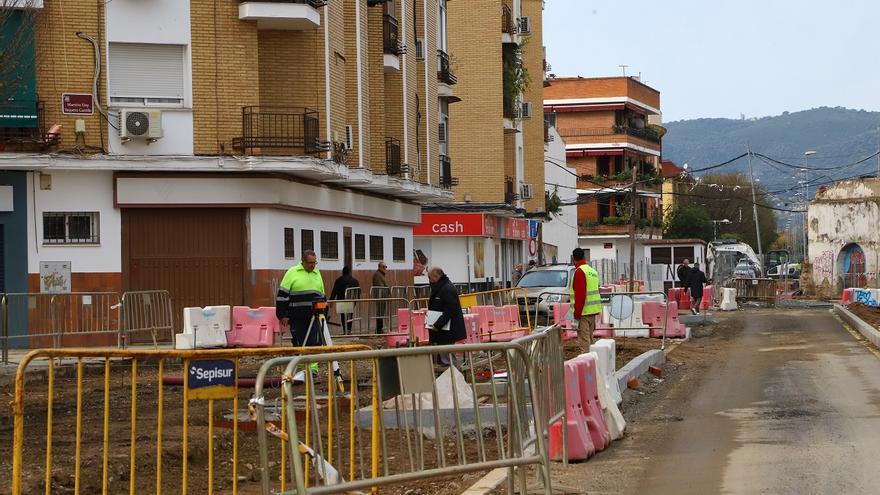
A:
(683, 271)
(444, 299)
(346, 281)
(696, 280)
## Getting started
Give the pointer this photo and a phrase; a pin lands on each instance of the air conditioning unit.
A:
(526, 191)
(525, 25)
(526, 112)
(140, 123)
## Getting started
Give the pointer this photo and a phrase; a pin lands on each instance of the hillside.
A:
(838, 135)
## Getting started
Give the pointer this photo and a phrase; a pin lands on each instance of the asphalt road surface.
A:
(793, 406)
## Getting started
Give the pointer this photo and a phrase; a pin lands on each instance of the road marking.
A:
(856, 335)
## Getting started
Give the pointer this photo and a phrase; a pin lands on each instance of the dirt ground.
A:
(870, 315)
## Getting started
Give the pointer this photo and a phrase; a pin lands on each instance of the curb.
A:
(638, 366)
(867, 331)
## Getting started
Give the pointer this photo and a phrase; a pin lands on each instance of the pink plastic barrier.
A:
(848, 296)
(706, 302)
(594, 416)
(502, 323)
(402, 338)
(579, 443)
(252, 327)
(653, 313)
(674, 328)
(603, 329)
(472, 329)
(559, 312)
(511, 312)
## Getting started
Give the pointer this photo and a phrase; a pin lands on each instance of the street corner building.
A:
(213, 143)
(843, 239)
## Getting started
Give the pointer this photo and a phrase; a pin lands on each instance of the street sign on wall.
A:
(77, 104)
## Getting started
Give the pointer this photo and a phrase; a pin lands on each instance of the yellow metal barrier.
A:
(132, 389)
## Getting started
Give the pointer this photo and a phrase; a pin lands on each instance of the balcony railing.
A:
(393, 164)
(23, 125)
(508, 24)
(512, 110)
(444, 73)
(279, 131)
(391, 36)
(610, 131)
(446, 178)
(311, 3)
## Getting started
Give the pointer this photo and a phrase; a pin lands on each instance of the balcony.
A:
(391, 46)
(508, 21)
(607, 228)
(446, 178)
(393, 164)
(279, 131)
(23, 127)
(295, 15)
(444, 73)
(603, 132)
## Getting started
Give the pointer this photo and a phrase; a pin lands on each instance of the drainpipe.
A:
(360, 87)
(327, 75)
(403, 59)
(428, 101)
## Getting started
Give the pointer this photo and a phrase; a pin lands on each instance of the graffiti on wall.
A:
(823, 266)
(865, 296)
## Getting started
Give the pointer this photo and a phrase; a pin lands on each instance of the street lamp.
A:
(715, 227)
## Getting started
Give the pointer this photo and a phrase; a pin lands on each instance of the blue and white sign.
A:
(211, 379)
(533, 229)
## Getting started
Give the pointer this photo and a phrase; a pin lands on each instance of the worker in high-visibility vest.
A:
(585, 298)
(301, 286)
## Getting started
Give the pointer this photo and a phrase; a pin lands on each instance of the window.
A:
(329, 245)
(70, 228)
(682, 253)
(146, 74)
(307, 240)
(661, 255)
(377, 248)
(398, 249)
(288, 244)
(360, 247)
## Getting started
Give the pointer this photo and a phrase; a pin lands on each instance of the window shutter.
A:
(146, 70)
(442, 132)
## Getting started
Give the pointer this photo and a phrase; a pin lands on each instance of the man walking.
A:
(449, 326)
(301, 286)
(343, 283)
(696, 280)
(585, 298)
(683, 272)
(381, 307)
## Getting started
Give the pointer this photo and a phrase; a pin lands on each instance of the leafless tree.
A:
(17, 47)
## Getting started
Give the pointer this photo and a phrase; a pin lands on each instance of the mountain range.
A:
(839, 136)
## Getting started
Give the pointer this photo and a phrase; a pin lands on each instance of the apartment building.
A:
(201, 147)
(496, 141)
(612, 133)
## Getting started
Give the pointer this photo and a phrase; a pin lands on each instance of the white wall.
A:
(267, 239)
(154, 21)
(457, 257)
(562, 230)
(75, 191)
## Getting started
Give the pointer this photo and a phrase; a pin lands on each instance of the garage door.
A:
(195, 254)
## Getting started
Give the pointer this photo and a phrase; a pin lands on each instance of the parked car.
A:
(544, 285)
(745, 268)
(779, 271)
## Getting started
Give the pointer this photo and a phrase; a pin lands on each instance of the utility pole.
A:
(755, 210)
(632, 232)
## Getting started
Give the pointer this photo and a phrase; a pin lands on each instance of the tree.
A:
(729, 197)
(687, 222)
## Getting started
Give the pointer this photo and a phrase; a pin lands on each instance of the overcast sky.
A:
(723, 58)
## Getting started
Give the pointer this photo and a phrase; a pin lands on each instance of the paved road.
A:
(794, 407)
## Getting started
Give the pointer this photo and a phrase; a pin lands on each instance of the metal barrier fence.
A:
(497, 297)
(83, 319)
(330, 452)
(624, 313)
(357, 317)
(107, 441)
(754, 289)
(146, 314)
(58, 320)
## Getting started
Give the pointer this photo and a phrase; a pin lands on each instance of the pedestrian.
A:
(448, 328)
(300, 288)
(682, 273)
(379, 281)
(517, 274)
(584, 291)
(343, 283)
(696, 280)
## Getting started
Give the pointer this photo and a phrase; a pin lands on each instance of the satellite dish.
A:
(621, 307)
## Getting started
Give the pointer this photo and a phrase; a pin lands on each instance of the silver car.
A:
(544, 285)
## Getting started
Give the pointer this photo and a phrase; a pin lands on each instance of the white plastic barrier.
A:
(613, 416)
(633, 326)
(728, 299)
(606, 350)
(204, 327)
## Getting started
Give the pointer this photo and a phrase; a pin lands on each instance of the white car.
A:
(545, 285)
